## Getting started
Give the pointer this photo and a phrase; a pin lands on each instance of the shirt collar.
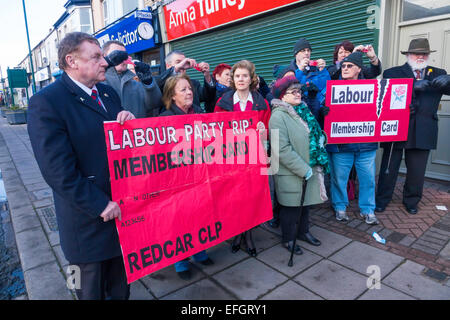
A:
(83, 87)
(236, 98)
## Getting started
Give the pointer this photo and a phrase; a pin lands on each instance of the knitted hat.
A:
(301, 44)
(280, 71)
(281, 85)
(355, 58)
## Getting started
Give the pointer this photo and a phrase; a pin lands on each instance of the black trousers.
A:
(104, 280)
(416, 163)
(288, 220)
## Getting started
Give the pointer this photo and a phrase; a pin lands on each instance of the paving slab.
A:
(34, 248)
(331, 242)
(165, 281)
(46, 283)
(277, 257)
(60, 256)
(291, 291)
(359, 256)
(263, 239)
(384, 293)
(25, 222)
(332, 281)
(202, 290)
(139, 292)
(409, 278)
(249, 279)
(222, 257)
(445, 252)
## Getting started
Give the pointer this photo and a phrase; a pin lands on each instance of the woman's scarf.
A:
(317, 153)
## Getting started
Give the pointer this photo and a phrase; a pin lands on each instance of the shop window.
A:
(419, 9)
(85, 20)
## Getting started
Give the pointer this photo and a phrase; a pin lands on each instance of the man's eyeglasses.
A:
(294, 92)
(347, 65)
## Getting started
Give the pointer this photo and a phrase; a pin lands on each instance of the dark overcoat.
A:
(423, 121)
(65, 126)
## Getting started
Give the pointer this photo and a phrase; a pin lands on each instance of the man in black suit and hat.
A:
(430, 83)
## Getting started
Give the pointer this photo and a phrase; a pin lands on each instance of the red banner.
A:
(184, 184)
(368, 110)
(184, 17)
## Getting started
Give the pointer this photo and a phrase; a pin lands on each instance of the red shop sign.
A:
(184, 17)
(368, 110)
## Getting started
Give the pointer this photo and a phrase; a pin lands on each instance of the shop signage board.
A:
(135, 32)
(184, 184)
(185, 17)
(368, 110)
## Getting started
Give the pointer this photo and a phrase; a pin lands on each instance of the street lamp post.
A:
(29, 48)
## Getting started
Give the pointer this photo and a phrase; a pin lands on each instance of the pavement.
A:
(414, 264)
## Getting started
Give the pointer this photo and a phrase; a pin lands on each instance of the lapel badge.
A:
(82, 99)
(429, 71)
(106, 95)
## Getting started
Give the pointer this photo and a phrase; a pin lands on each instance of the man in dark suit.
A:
(176, 62)
(65, 125)
(430, 83)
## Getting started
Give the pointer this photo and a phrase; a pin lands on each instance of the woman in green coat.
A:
(301, 155)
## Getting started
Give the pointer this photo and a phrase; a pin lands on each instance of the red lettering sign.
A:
(184, 17)
(184, 184)
(368, 110)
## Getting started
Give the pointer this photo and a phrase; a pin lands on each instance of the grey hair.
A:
(169, 56)
(109, 43)
(71, 43)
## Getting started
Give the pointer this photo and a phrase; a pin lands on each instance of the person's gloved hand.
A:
(116, 57)
(441, 82)
(421, 85)
(311, 89)
(144, 72)
(324, 110)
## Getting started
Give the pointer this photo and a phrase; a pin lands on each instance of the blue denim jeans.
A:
(341, 164)
(183, 265)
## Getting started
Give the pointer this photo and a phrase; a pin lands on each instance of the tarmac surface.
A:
(413, 264)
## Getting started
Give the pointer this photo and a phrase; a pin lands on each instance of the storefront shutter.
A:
(270, 40)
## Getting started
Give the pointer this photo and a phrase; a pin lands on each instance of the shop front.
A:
(139, 33)
(264, 32)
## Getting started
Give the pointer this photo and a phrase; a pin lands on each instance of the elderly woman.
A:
(244, 97)
(178, 99)
(344, 49)
(301, 155)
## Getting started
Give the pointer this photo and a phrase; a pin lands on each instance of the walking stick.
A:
(305, 183)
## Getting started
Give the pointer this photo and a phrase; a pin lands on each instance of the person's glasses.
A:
(347, 65)
(294, 92)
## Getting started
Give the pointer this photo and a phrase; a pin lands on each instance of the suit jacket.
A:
(423, 121)
(65, 126)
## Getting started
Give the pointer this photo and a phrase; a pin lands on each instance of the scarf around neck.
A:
(317, 153)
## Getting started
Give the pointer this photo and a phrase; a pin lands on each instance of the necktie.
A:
(94, 95)
(418, 74)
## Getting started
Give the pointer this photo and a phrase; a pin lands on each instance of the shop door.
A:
(438, 34)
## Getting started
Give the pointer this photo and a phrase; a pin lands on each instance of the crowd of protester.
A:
(293, 103)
